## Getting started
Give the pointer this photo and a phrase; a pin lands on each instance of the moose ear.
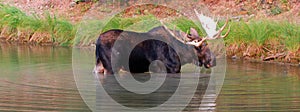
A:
(194, 32)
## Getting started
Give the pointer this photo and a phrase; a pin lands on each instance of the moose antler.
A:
(210, 26)
(179, 39)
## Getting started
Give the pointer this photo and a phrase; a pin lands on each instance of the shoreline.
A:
(267, 62)
(227, 57)
(53, 31)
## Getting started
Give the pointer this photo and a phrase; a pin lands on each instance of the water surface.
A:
(36, 78)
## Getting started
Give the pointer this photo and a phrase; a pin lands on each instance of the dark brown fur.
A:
(149, 50)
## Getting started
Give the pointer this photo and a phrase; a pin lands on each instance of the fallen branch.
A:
(274, 56)
(267, 49)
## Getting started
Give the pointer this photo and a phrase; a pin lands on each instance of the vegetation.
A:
(265, 39)
(90, 30)
(256, 39)
(17, 26)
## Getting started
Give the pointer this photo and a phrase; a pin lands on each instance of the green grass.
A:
(185, 24)
(291, 35)
(11, 16)
(252, 33)
(124, 23)
(90, 30)
(146, 23)
(61, 31)
(259, 32)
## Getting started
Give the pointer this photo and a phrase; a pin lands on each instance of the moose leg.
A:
(103, 64)
(172, 61)
(106, 65)
(173, 68)
(172, 65)
(99, 68)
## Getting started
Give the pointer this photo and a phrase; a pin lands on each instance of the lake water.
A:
(36, 78)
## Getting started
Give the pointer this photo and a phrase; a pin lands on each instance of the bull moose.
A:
(151, 50)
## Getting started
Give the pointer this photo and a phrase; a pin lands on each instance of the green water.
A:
(40, 78)
(260, 87)
(35, 78)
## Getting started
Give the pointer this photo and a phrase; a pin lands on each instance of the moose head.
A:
(205, 56)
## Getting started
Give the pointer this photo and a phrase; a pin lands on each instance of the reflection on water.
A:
(124, 99)
(134, 100)
(35, 78)
(160, 96)
(260, 87)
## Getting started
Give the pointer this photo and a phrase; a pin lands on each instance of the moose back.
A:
(168, 49)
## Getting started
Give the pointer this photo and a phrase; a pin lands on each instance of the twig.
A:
(274, 56)
(267, 49)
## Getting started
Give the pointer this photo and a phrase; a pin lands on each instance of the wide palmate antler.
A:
(210, 27)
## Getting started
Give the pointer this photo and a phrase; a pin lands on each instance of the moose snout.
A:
(211, 61)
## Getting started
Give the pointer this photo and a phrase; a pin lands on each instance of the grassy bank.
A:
(266, 40)
(256, 39)
(89, 31)
(15, 25)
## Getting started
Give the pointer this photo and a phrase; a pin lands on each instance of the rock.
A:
(234, 57)
(72, 4)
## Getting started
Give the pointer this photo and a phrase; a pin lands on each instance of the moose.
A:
(145, 52)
